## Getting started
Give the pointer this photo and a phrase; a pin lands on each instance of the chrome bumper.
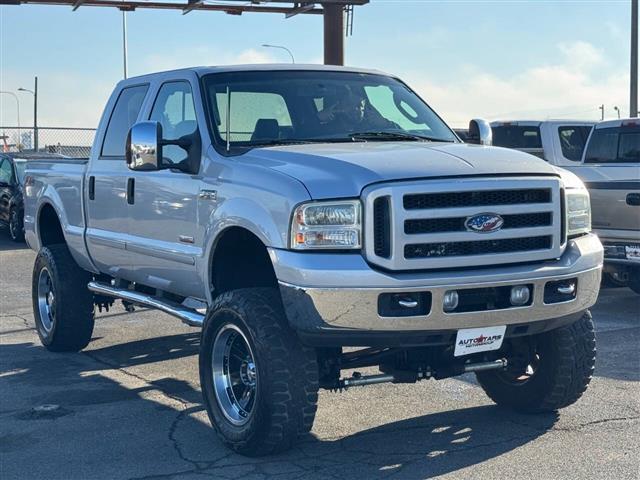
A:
(329, 292)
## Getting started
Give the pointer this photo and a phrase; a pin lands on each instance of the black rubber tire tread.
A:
(288, 373)
(567, 366)
(74, 319)
(19, 237)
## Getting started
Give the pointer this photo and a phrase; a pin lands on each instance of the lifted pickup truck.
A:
(311, 210)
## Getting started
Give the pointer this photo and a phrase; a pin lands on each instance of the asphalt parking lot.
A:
(129, 407)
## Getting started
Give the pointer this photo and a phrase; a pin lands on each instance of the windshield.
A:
(614, 145)
(270, 108)
(20, 167)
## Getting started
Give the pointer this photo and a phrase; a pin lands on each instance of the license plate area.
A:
(475, 340)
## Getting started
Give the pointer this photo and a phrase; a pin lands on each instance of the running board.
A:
(188, 316)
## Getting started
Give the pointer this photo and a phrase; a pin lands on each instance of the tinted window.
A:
(572, 141)
(124, 115)
(514, 136)
(20, 166)
(267, 108)
(5, 171)
(175, 111)
(614, 145)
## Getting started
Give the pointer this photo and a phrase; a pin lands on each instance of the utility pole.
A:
(601, 108)
(333, 34)
(124, 42)
(633, 104)
(34, 92)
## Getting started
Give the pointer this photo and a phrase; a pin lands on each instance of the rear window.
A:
(614, 145)
(515, 136)
(124, 115)
(573, 140)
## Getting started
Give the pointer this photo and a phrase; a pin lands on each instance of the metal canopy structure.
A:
(333, 12)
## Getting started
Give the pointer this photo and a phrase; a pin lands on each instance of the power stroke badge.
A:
(474, 340)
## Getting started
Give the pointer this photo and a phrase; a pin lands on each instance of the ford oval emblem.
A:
(484, 223)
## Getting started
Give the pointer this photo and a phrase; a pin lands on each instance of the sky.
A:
(468, 59)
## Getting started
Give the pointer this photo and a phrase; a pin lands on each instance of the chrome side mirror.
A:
(480, 132)
(144, 146)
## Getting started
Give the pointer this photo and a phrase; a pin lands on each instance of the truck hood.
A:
(344, 169)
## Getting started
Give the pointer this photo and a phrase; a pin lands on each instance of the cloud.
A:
(203, 56)
(574, 87)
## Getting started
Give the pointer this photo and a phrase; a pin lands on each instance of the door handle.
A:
(633, 199)
(131, 190)
(92, 187)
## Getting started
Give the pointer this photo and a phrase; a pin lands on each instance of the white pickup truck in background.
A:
(607, 159)
(559, 142)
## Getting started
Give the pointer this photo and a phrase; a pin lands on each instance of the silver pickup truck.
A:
(314, 221)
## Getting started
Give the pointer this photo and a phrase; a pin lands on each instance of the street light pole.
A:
(124, 42)
(266, 45)
(34, 92)
(15, 97)
(633, 101)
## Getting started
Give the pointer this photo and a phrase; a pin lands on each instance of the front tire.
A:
(259, 383)
(62, 303)
(16, 226)
(557, 368)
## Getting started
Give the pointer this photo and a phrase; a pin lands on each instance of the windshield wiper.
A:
(280, 141)
(382, 135)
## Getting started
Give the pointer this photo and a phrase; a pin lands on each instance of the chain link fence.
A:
(72, 142)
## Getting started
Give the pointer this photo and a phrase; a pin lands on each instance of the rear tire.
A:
(259, 383)
(16, 226)
(560, 367)
(62, 303)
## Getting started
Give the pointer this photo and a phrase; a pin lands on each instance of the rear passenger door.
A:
(105, 187)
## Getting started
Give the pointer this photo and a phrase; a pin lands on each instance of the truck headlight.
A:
(578, 212)
(335, 225)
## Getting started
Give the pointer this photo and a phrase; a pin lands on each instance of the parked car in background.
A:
(559, 142)
(607, 158)
(610, 168)
(12, 168)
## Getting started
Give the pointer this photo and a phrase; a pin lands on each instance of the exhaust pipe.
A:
(188, 316)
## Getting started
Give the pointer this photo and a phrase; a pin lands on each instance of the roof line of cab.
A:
(263, 67)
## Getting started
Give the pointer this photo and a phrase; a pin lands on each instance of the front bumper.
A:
(337, 294)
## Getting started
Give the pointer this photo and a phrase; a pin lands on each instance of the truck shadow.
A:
(157, 436)
(7, 244)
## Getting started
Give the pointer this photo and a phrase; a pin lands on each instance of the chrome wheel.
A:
(46, 300)
(235, 374)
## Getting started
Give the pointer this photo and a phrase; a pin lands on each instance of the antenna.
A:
(228, 119)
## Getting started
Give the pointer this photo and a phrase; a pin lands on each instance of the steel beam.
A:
(333, 34)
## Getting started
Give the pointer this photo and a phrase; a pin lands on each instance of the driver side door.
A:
(164, 240)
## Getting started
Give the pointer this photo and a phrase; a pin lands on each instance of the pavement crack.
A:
(24, 320)
(595, 422)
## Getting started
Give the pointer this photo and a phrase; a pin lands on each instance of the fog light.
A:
(450, 300)
(520, 295)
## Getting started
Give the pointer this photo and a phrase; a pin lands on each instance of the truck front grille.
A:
(422, 225)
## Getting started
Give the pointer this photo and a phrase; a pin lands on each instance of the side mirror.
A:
(144, 146)
(480, 132)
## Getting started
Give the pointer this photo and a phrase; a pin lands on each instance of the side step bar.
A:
(188, 316)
